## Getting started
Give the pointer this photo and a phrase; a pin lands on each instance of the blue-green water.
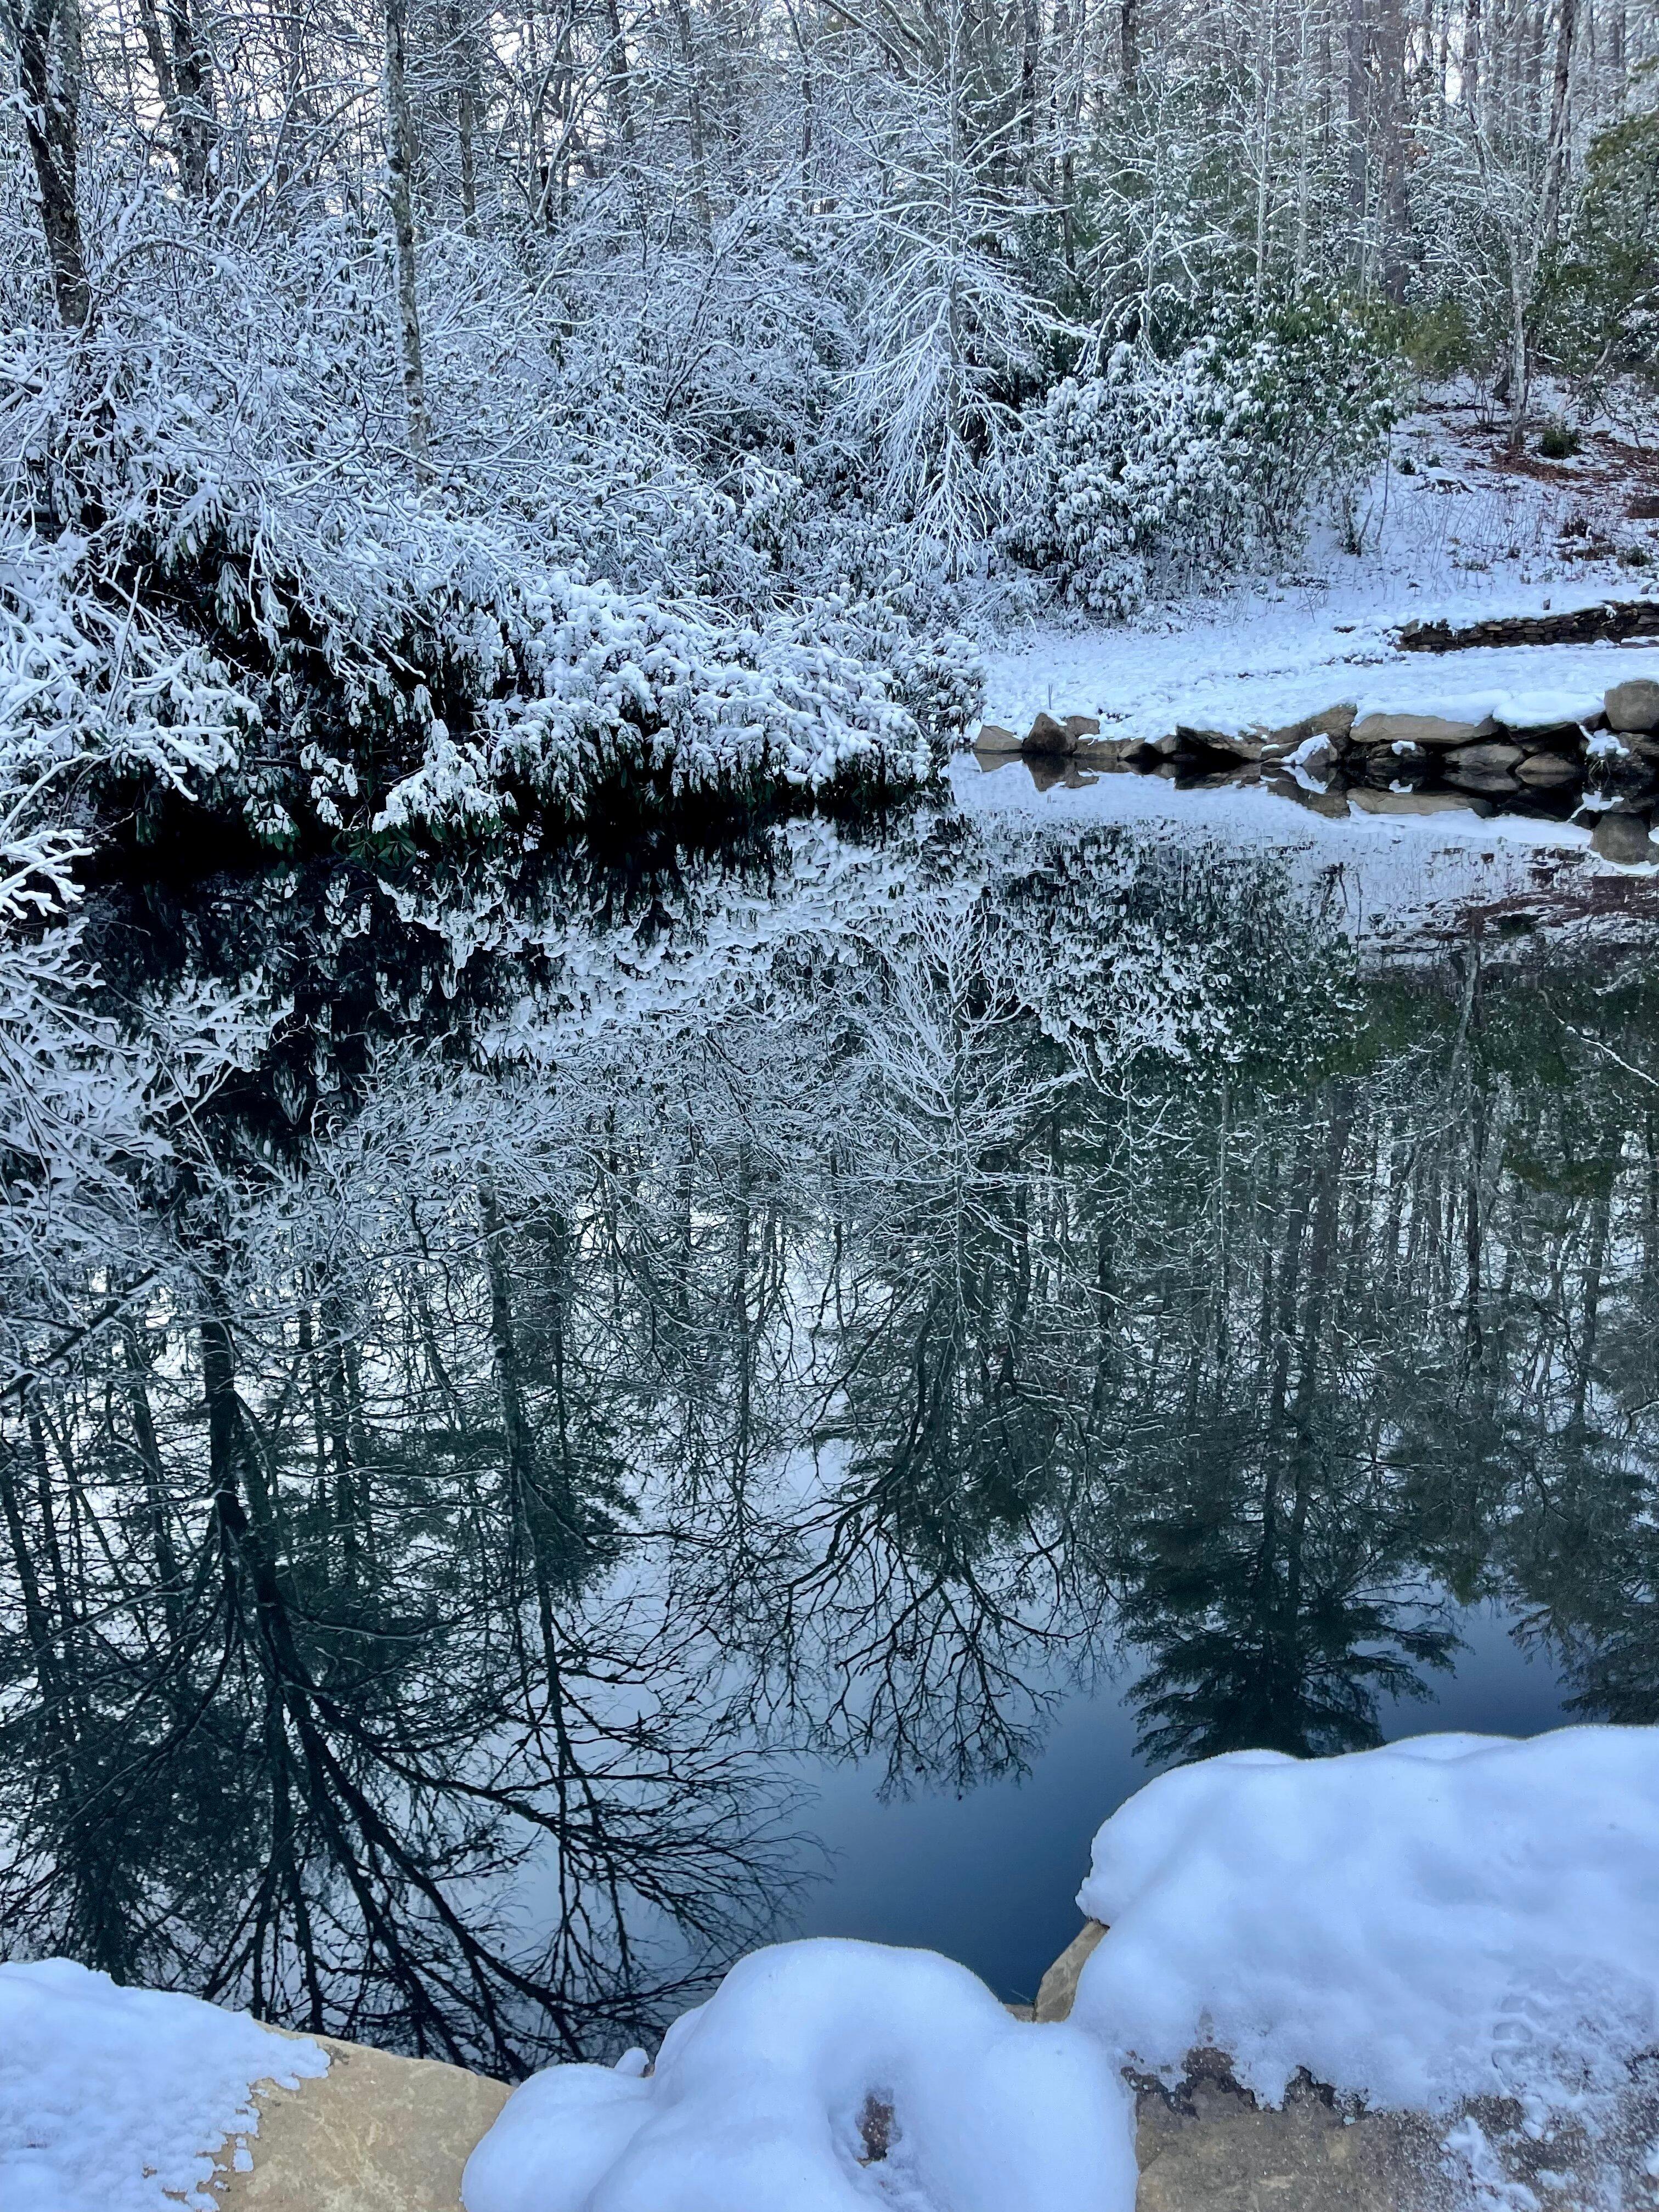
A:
(650, 1408)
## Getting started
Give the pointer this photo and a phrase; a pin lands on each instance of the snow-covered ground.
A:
(1465, 536)
(1270, 661)
(1439, 1921)
(116, 2100)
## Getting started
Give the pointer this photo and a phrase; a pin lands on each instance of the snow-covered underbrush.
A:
(1158, 475)
(1419, 1928)
(213, 605)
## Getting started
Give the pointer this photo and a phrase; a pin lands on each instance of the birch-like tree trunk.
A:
(1549, 228)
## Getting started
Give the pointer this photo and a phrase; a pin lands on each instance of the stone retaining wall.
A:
(1603, 772)
(1611, 623)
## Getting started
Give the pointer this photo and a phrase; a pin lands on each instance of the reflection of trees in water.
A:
(602, 1336)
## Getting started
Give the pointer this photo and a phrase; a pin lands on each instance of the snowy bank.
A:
(1447, 1917)
(1455, 1938)
(1268, 662)
(117, 2098)
(1424, 1927)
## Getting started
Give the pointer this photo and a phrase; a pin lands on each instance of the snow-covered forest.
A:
(417, 417)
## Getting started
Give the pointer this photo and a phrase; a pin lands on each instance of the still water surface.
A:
(658, 1408)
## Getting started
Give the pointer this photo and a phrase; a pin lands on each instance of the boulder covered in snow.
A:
(1447, 1917)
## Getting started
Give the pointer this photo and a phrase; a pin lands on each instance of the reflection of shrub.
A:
(1558, 441)
(1169, 471)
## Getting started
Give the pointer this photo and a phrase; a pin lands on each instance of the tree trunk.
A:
(1030, 37)
(466, 115)
(192, 76)
(1355, 58)
(161, 62)
(1549, 228)
(618, 90)
(1518, 377)
(694, 119)
(1395, 214)
(44, 36)
(400, 173)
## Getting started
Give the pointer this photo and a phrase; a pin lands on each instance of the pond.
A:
(642, 1407)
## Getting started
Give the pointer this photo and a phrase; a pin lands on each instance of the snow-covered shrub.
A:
(87, 684)
(1158, 472)
(878, 590)
(582, 685)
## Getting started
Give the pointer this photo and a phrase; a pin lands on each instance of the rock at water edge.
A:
(1058, 1985)
(1496, 782)
(376, 2133)
(1633, 705)
(1419, 802)
(1047, 736)
(1332, 804)
(1547, 771)
(1487, 755)
(1432, 731)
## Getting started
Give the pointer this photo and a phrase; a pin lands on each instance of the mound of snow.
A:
(116, 2098)
(824, 2077)
(1450, 1917)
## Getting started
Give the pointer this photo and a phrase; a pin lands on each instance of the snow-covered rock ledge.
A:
(1421, 1977)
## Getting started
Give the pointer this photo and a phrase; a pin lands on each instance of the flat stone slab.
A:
(376, 2133)
(1433, 732)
